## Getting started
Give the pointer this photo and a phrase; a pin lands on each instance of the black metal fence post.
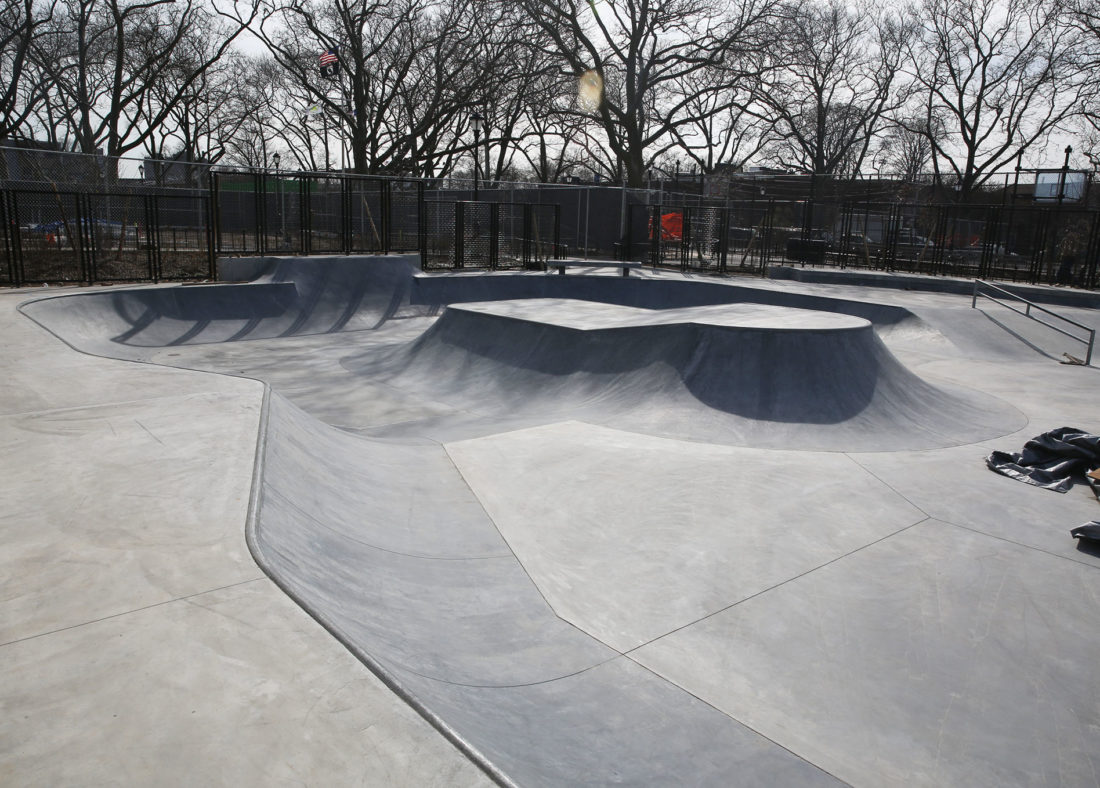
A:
(724, 240)
(386, 201)
(494, 235)
(151, 245)
(305, 216)
(685, 238)
(213, 225)
(13, 245)
(81, 238)
(421, 225)
(528, 235)
(558, 250)
(460, 233)
(259, 200)
(1092, 255)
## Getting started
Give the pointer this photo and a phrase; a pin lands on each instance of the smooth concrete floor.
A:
(139, 642)
(759, 615)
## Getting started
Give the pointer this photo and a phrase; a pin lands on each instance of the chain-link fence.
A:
(76, 218)
(491, 235)
(1021, 242)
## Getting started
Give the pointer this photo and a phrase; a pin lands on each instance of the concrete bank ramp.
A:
(264, 298)
(746, 374)
(387, 547)
(286, 297)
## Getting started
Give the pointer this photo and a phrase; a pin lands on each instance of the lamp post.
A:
(1065, 174)
(476, 121)
(275, 157)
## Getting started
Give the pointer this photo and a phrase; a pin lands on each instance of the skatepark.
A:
(332, 520)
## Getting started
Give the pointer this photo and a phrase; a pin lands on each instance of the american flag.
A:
(330, 63)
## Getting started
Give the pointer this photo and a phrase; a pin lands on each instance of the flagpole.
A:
(330, 67)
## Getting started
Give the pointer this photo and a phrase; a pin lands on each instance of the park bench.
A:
(561, 265)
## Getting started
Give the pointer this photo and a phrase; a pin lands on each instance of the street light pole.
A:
(1065, 174)
(476, 120)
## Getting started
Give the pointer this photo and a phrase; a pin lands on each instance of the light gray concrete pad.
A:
(231, 687)
(144, 520)
(717, 524)
(956, 486)
(598, 530)
(936, 657)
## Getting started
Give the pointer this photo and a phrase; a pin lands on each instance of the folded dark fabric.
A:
(1053, 460)
(1090, 530)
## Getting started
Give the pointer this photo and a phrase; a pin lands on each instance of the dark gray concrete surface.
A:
(659, 530)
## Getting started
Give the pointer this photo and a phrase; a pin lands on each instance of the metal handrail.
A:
(1026, 312)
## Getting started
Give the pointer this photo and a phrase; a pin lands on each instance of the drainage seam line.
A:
(184, 598)
(580, 671)
(887, 485)
(729, 716)
(762, 591)
(970, 528)
(1005, 539)
(496, 527)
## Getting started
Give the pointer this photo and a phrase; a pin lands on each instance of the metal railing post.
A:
(1026, 312)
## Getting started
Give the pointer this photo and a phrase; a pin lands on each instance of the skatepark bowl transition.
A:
(576, 530)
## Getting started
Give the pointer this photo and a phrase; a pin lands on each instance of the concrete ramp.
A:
(414, 578)
(745, 374)
(287, 297)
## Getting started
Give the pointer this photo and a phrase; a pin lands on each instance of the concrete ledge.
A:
(935, 284)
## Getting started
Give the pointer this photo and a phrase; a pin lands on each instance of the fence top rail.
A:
(428, 201)
(982, 283)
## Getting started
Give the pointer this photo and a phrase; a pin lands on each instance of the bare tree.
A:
(465, 63)
(552, 141)
(905, 148)
(721, 129)
(21, 86)
(645, 55)
(205, 112)
(103, 57)
(998, 76)
(1085, 16)
(834, 80)
(410, 72)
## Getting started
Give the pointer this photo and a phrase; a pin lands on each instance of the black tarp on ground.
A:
(1053, 460)
(1056, 460)
(1090, 530)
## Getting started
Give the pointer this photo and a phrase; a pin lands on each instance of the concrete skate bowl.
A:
(387, 544)
(752, 375)
(697, 360)
(284, 298)
(263, 298)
